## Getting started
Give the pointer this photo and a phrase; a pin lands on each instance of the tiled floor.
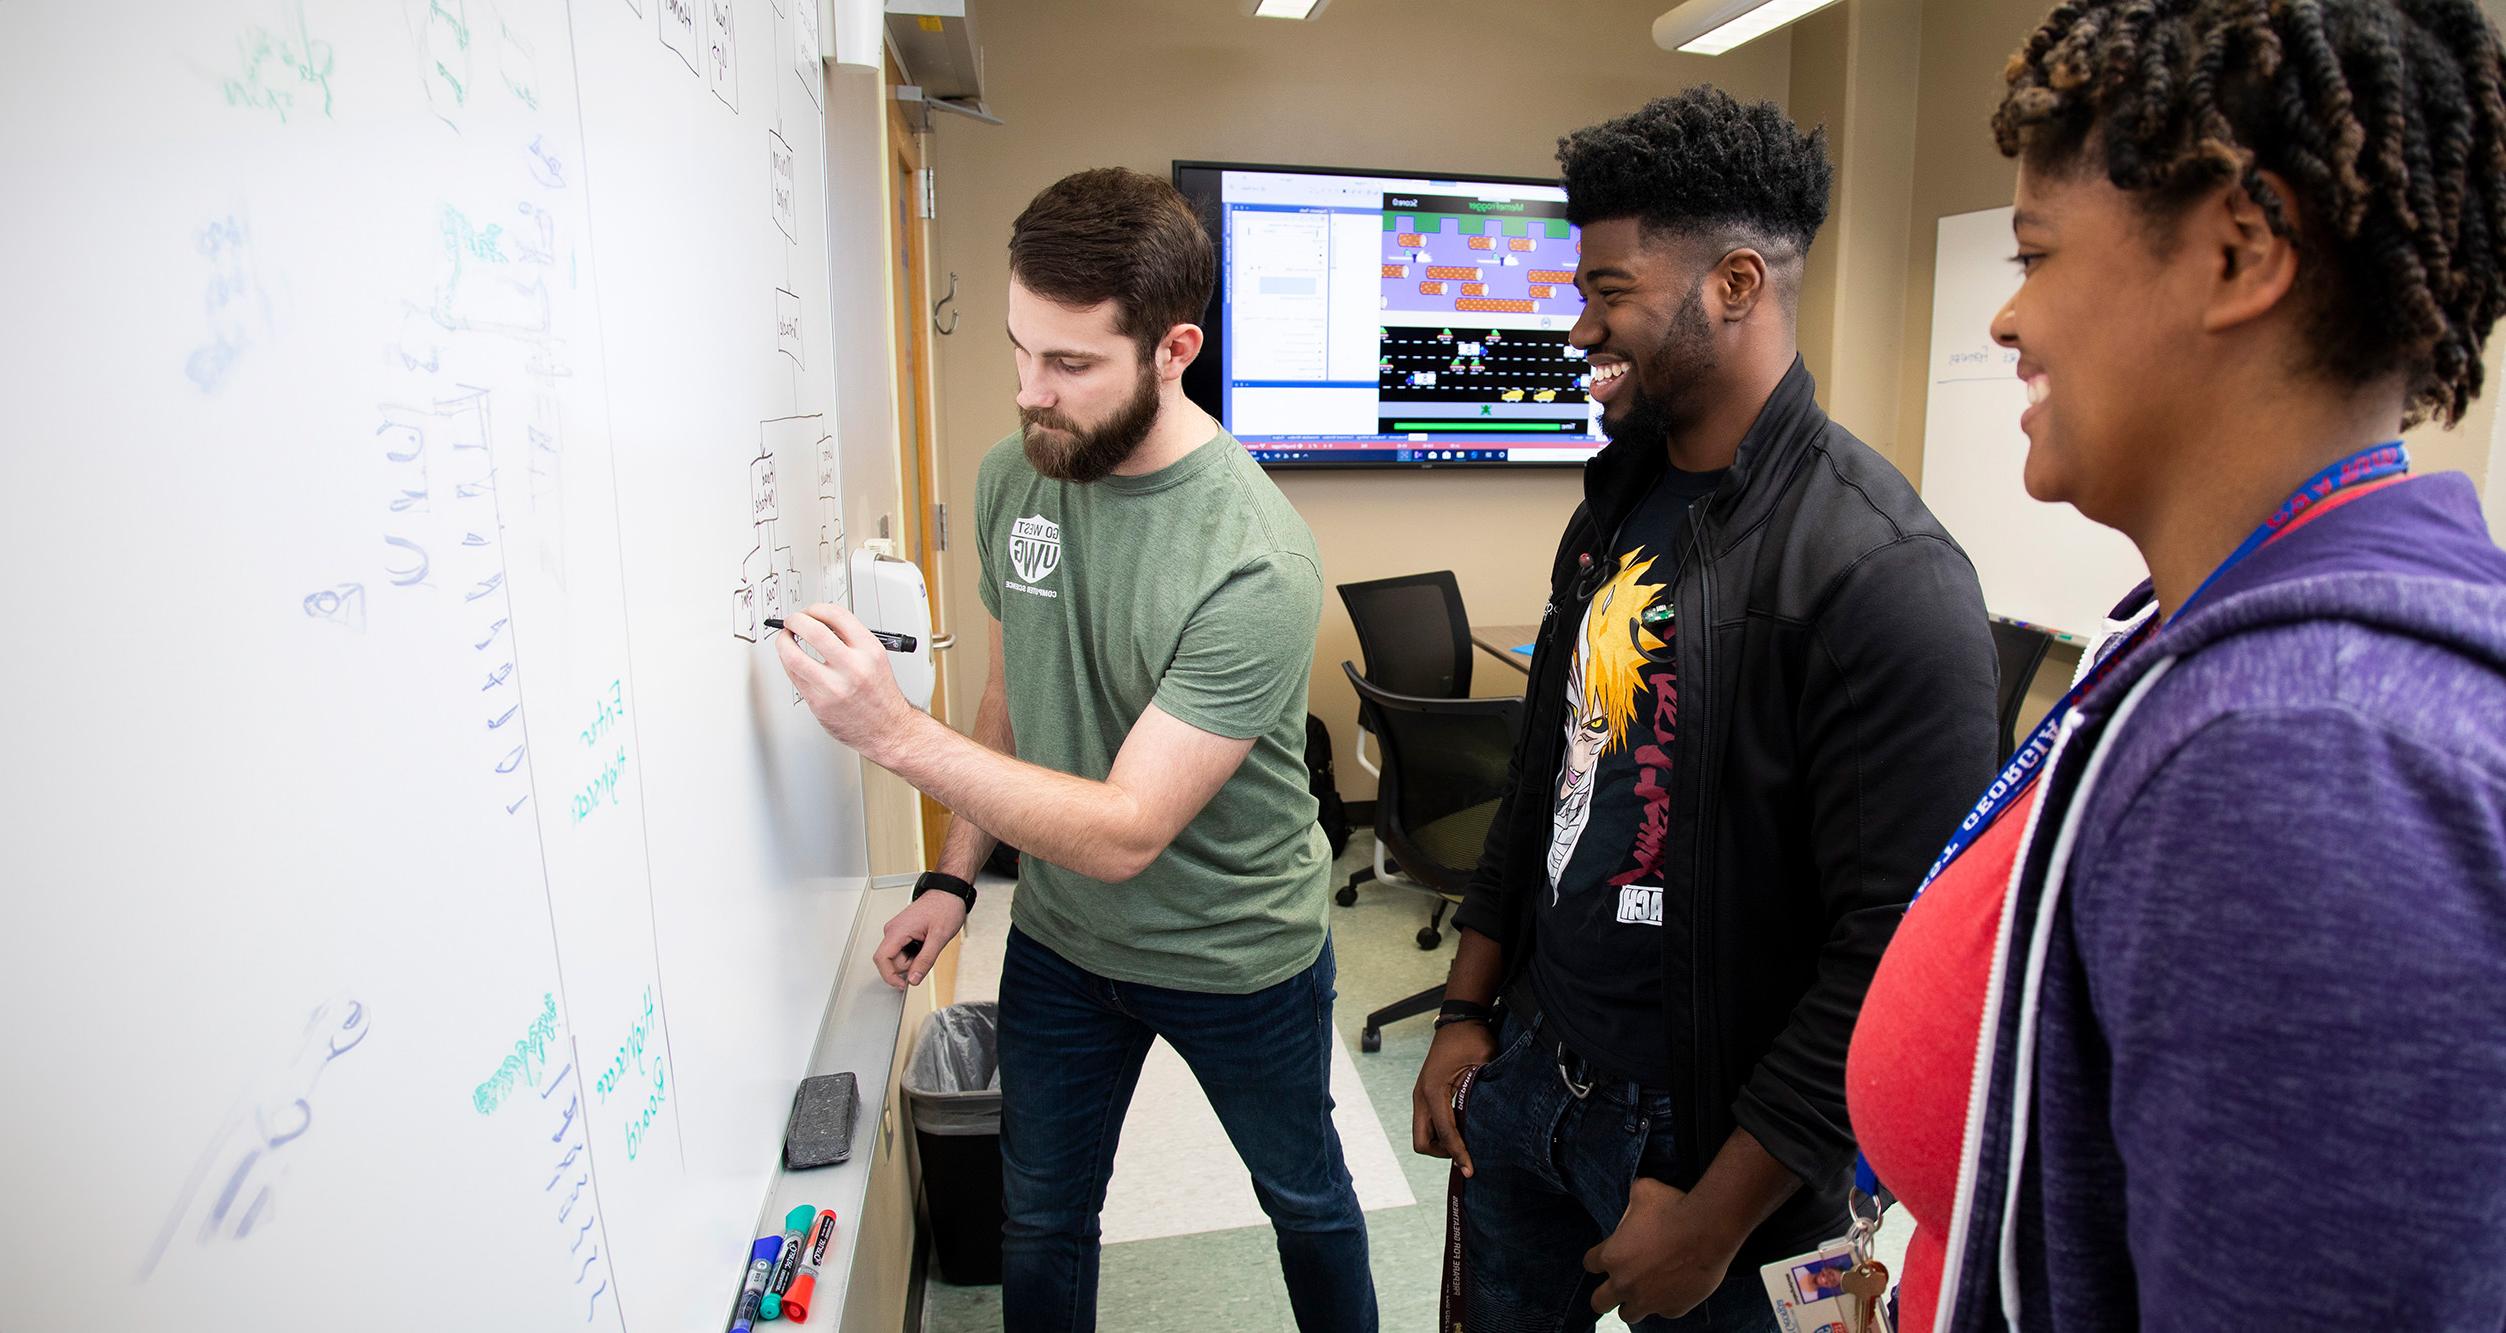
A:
(1187, 1249)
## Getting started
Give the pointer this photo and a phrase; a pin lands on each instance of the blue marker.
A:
(795, 1231)
(761, 1257)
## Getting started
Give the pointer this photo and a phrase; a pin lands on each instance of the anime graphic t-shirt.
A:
(1597, 968)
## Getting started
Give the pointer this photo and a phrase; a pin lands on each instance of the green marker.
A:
(795, 1230)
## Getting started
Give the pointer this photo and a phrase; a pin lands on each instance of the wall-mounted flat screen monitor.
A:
(1381, 319)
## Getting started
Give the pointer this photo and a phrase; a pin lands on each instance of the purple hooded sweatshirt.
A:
(2246, 1037)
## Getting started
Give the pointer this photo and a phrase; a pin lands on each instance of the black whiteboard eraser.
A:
(820, 1132)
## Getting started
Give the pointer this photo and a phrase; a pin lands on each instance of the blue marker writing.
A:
(795, 1230)
(761, 1257)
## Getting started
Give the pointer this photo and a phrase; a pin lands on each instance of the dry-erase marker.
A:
(805, 1286)
(795, 1230)
(894, 643)
(761, 1257)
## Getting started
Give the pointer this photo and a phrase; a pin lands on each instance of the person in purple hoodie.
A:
(2200, 1020)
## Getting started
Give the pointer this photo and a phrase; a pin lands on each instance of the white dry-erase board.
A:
(2040, 563)
(421, 894)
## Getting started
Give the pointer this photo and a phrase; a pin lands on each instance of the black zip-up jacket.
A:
(1836, 675)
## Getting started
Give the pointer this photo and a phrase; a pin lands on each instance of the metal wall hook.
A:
(942, 304)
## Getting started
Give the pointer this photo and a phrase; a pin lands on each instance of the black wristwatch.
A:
(1465, 1011)
(945, 883)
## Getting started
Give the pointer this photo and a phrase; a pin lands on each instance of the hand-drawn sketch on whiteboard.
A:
(234, 1189)
(428, 445)
(516, 65)
(343, 606)
(367, 272)
(779, 184)
(770, 582)
(547, 167)
(834, 576)
(722, 57)
(238, 309)
(787, 326)
(570, 1199)
(442, 37)
(2042, 564)
(805, 59)
(759, 594)
(286, 71)
(678, 29)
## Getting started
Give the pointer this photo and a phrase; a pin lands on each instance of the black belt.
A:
(1579, 1072)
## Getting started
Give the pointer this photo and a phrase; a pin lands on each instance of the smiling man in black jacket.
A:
(1761, 699)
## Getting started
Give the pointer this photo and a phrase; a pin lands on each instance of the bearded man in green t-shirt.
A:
(1141, 738)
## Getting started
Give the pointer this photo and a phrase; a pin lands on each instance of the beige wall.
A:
(1821, 46)
(1956, 168)
(1432, 85)
(1856, 70)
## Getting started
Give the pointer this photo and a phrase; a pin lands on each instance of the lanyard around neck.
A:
(2368, 467)
(2349, 477)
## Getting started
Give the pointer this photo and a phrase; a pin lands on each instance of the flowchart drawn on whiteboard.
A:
(770, 581)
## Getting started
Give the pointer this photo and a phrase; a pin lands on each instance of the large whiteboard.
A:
(2040, 563)
(422, 892)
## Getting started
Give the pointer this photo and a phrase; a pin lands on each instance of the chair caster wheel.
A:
(1371, 1040)
(1347, 896)
(1429, 937)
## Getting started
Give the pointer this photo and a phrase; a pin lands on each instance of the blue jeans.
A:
(1072, 1044)
(1551, 1177)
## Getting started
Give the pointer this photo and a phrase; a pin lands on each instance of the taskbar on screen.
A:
(1397, 453)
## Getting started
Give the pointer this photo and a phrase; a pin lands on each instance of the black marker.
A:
(894, 643)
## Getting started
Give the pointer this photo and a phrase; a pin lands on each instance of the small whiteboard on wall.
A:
(2041, 564)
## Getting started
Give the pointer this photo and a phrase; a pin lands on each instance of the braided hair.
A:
(2386, 119)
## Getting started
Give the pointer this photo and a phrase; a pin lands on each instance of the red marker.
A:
(796, 1301)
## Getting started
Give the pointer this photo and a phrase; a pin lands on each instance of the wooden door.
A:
(923, 540)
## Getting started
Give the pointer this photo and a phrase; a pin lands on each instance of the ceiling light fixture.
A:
(1288, 9)
(1711, 27)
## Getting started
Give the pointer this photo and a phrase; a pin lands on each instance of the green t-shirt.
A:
(1196, 588)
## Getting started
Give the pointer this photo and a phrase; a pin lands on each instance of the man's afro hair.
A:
(1701, 162)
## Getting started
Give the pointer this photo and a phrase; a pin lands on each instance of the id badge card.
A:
(1810, 1292)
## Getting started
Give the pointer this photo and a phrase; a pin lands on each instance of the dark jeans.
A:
(1552, 1173)
(1072, 1044)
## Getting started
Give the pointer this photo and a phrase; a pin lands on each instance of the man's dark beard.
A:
(1684, 359)
(1091, 455)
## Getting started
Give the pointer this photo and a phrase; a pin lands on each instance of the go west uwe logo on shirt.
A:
(1035, 551)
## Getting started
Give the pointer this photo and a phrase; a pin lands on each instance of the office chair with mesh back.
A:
(1415, 641)
(1443, 776)
(2021, 649)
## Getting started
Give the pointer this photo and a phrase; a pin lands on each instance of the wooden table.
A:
(1500, 641)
